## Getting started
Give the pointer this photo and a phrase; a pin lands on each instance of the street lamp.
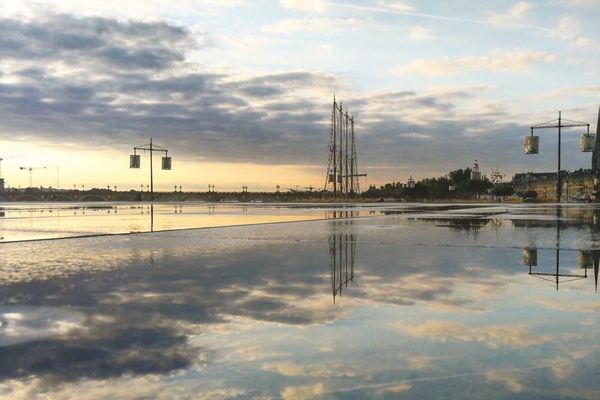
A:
(134, 161)
(531, 145)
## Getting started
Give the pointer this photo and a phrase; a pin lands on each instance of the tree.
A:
(503, 189)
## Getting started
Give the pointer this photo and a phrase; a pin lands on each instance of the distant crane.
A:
(57, 168)
(30, 169)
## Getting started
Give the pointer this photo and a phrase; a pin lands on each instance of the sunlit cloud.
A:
(495, 61)
(318, 6)
(571, 31)
(396, 5)
(150, 10)
(320, 25)
(512, 16)
(419, 33)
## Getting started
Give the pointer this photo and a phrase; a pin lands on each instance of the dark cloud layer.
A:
(102, 41)
(82, 79)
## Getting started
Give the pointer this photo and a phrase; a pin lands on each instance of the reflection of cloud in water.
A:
(510, 379)
(321, 370)
(252, 306)
(491, 336)
(304, 392)
(125, 388)
(104, 353)
(20, 324)
(190, 287)
(559, 305)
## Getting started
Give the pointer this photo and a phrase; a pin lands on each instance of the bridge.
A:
(101, 195)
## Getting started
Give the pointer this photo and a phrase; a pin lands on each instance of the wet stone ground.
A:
(385, 302)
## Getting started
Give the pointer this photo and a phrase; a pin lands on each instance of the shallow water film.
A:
(365, 302)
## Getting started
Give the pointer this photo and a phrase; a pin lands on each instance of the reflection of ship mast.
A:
(342, 248)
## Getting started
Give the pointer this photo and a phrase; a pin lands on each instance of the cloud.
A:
(105, 43)
(320, 25)
(495, 61)
(318, 6)
(514, 15)
(419, 33)
(399, 6)
(515, 336)
(570, 30)
(112, 80)
(149, 10)
(117, 82)
(416, 136)
(580, 3)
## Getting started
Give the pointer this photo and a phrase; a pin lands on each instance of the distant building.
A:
(576, 185)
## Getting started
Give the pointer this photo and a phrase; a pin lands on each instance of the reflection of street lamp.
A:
(532, 143)
(134, 161)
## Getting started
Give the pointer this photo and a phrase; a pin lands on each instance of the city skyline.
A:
(240, 92)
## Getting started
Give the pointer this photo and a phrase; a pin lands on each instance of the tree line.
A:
(456, 184)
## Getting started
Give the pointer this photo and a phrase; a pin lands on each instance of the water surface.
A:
(405, 302)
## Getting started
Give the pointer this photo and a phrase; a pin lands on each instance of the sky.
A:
(240, 92)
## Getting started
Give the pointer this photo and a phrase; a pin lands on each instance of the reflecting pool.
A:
(402, 301)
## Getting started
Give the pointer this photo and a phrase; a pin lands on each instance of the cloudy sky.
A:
(240, 91)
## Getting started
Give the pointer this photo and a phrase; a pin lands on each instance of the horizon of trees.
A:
(440, 187)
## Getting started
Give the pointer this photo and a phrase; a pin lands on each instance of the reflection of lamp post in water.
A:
(134, 161)
(585, 258)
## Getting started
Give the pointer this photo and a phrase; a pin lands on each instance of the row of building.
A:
(576, 185)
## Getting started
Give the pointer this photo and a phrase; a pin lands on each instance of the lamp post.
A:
(532, 143)
(134, 161)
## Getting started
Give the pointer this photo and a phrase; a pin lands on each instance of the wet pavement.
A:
(384, 302)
